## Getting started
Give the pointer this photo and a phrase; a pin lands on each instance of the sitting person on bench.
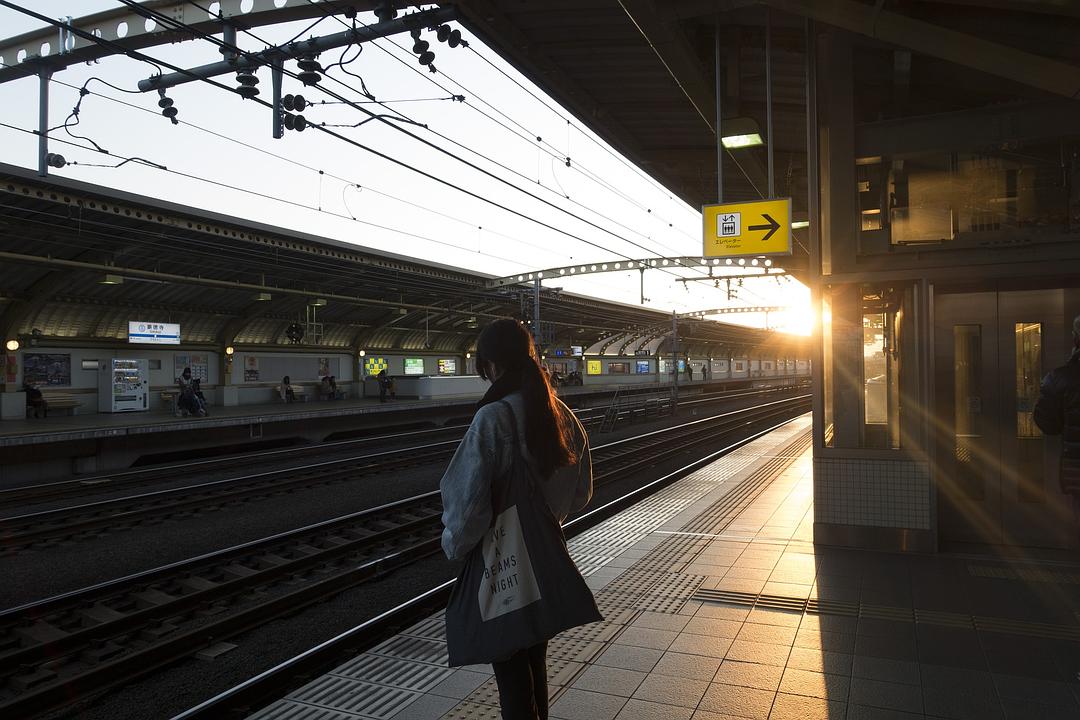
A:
(35, 401)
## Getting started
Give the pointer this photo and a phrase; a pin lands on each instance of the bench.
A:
(65, 404)
(168, 400)
(300, 393)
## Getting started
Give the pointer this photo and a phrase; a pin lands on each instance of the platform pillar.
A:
(228, 395)
(13, 405)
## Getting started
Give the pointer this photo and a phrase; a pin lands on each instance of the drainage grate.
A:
(884, 612)
(1038, 575)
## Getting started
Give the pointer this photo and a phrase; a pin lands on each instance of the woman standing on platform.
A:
(523, 466)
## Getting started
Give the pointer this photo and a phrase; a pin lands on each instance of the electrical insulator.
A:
(247, 82)
(167, 109)
(55, 160)
(455, 40)
(443, 33)
(294, 102)
(426, 57)
(295, 122)
(309, 70)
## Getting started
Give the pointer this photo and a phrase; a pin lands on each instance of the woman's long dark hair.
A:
(548, 434)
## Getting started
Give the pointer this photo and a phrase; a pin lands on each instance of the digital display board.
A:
(447, 366)
(577, 350)
(154, 333)
(414, 366)
(642, 367)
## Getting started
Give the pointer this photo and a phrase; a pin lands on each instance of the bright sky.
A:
(395, 209)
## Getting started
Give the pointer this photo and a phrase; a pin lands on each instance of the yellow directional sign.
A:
(749, 228)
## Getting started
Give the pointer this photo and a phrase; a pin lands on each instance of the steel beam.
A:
(131, 31)
(313, 46)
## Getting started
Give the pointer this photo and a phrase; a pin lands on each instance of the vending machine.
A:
(124, 385)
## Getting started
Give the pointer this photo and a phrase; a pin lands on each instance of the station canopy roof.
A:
(78, 262)
(642, 74)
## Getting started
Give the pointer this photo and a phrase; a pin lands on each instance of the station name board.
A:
(154, 333)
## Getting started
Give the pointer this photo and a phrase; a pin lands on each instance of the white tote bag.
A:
(509, 581)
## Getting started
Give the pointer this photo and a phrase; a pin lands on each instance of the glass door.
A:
(996, 475)
(967, 467)
(1034, 511)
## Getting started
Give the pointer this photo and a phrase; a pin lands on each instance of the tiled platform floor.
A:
(718, 606)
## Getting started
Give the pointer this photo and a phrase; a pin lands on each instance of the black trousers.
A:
(522, 681)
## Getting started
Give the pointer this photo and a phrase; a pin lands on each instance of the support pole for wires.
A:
(536, 314)
(228, 33)
(275, 81)
(642, 272)
(43, 121)
(769, 99)
(675, 361)
(719, 124)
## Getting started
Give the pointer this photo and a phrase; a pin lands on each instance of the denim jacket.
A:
(484, 454)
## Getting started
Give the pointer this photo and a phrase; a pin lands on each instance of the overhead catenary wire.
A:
(165, 20)
(442, 136)
(346, 182)
(141, 56)
(213, 40)
(257, 193)
(528, 135)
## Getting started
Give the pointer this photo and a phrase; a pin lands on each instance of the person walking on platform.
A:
(286, 391)
(689, 371)
(35, 401)
(386, 384)
(523, 466)
(1057, 412)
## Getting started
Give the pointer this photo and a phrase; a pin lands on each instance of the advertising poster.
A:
(374, 365)
(593, 367)
(324, 367)
(414, 366)
(251, 368)
(41, 369)
(642, 367)
(199, 364)
(448, 366)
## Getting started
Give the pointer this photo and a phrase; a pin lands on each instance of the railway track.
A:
(84, 521)
(134, 479)
(86, 640)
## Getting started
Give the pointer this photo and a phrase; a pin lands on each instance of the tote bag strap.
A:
(518, 457)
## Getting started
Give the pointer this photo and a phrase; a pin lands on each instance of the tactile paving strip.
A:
(287, 710)
(412, 648)
(473, 711)
(363, 699)
(433, 628)
(669, 595)
(396, 672)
